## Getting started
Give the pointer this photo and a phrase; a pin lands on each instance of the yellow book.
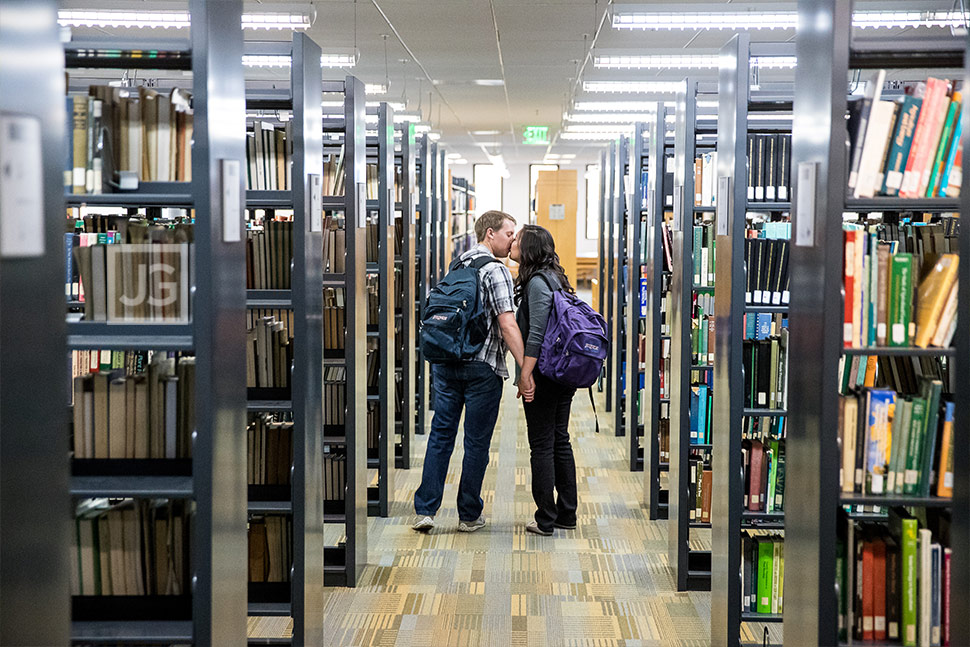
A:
(931, 297)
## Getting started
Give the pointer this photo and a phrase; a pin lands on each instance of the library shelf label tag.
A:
(677, 223)
(723, 199)
(805, 207)
(651, 196)
(315, 203)
(557, 212)
(21, 187)
(362, 205)
(231, 201)
(412, 207)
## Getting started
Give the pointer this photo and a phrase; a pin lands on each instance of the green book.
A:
(914, 446)
(780, 479)
(900, 438)
(845, 367)
(698, 243)
(900, 298)
(765, 574)
(772, 475)
(936, 171)
(773, 390)
(931, 390)
(710, 255)
(909, 533)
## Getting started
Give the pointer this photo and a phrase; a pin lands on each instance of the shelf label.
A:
(21, 187)
(361, 205)
(232, 215)
(315, 203)
(651, 196)
(724, 201)
(557, 212)
(805, 207)
(678, 221)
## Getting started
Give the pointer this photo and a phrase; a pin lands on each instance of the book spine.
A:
(909, 534)
(901, 144)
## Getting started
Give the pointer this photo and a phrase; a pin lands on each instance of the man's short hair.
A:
(491, 220)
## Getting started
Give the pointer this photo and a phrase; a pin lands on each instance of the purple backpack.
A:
(574, 347)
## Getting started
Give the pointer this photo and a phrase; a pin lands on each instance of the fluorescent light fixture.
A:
(394, 105)
(375, 88)
(332, 104)
(635, 87)
(598, 128)
(489, 82)
(422, 128)
(172, 19)
(552, 156)
(589, 136)
(568, 156)
(609, 117)
(684, 62)
(484, 133)
(642, 19)
(453, 156)
(459, 161)
(488, 143)
(331, 59)
(615, 106)
(400, 117)
(267, 60)
(284, 60)
(434, 136)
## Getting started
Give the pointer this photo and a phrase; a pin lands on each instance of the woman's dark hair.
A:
(537, 252)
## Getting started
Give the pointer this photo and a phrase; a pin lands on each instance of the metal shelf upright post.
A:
(304, 600)
(407, 259)
(344, 562)
(827, 50)
(34, 566)
(609, 267)
(691, 568)
(619, 296)
(735, 102)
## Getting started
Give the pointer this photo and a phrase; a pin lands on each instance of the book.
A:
(931, 297)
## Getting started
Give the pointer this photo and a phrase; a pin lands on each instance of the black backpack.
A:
(455, 324)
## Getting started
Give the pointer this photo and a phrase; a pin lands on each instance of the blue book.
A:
(702, 413)
(951, 156)
(692, 414)
(764, 325)
(750, 325)
(69, 265)
(643, 297)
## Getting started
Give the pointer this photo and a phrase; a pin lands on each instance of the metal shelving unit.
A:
(608, 269)
(344, 562)
(691, 568)
(422, 268)
(304, 600)
(379, 496)
(649, 151)
(404, 421)
(735, 101)
(214, 611)
(826, 52)
(623, 215)
(34, 569)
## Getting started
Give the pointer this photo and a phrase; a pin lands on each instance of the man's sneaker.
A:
(472, 526)
(423, 524)
(534, 528)
(564, 526)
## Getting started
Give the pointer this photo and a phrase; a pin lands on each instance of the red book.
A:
(868, 592)
(923, 147)
(848, 273)
(879, 589)
(754, 488)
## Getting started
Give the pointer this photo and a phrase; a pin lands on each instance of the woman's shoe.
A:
(534, 528)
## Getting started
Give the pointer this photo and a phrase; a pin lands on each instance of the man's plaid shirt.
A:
(495, 284)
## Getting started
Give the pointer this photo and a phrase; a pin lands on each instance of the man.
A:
(475, 386)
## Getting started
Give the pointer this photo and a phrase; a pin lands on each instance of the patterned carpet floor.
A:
(604, 584)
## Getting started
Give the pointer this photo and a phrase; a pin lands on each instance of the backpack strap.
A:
(481, 261)
(594, 409)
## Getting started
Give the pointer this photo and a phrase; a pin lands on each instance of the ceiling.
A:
(542, 44)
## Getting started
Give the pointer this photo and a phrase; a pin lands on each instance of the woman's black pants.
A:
(553, 465)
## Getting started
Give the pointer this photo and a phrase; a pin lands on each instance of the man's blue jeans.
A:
(475, 387)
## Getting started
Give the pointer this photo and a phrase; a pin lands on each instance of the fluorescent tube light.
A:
(633, 87)
(422, 128)
(434, 136)
(489, 82)
(338, 60)
(598, 128)
(375, 88)
(284, 60)
(640, 19)
(484, 133)
(172, 19)
(453, 156)
(589, 136)
(609, 117)
(683, 62)
(615, 106)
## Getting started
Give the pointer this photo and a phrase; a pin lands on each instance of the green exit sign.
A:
(535, 135)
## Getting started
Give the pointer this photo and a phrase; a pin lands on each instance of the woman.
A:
(546, 402)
